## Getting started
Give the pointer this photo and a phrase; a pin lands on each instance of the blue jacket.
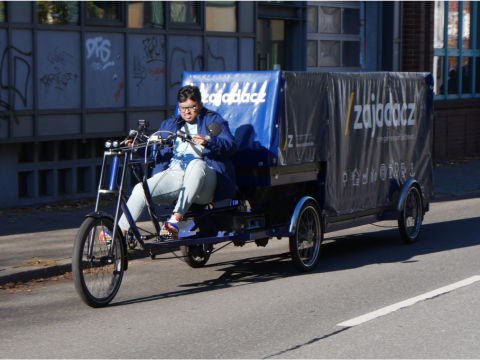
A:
(216, 152)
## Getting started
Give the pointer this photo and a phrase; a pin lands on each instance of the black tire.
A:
(97, 278)
(196, 256)
(305, 243)
(410, 221)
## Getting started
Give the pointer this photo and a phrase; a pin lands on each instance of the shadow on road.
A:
(236, 273)
(344, 253)
(449, 197)
(363, 249)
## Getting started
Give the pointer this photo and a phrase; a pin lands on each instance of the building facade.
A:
(443, 37)
(73, 74)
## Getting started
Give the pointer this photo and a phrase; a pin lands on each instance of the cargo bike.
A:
(316, 153)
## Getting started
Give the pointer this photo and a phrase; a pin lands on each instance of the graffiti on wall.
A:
(99, 47)
(212, 58)
(189, 58)
(58, 70)
(154, 49)
(59, 77)
(119, 90)
(186, 62)
(148, 62)
(19, 86)
(58, 57)
(183, 60)
(188, 54)
(139, 72)
(104, 67)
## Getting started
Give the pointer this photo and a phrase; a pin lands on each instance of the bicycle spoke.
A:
(306, 236)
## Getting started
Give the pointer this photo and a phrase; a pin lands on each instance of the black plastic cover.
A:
(380, 136)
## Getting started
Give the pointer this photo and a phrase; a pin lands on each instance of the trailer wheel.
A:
(305, 243)
(196, 256)
(410, 220)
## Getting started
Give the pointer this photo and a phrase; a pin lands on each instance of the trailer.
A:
(357, 145)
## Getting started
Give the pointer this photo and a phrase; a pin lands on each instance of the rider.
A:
(188, 173)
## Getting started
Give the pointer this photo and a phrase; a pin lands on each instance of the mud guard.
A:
(403, 194)
(293, 220)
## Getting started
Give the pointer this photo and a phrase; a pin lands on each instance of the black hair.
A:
(189, 92)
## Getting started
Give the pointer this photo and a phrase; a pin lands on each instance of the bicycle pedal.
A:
(165, 233)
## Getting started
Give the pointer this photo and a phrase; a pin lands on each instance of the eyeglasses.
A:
(190, 109)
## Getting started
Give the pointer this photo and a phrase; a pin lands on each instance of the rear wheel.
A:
(96, 275)
(196, 256)
(410, 220)
(305, 243)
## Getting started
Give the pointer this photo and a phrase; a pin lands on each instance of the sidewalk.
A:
(460, 180)
(39, 244)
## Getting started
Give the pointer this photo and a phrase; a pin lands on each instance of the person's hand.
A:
(199, 139)
(130, 142)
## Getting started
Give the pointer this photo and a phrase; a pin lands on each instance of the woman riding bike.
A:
(187, 173)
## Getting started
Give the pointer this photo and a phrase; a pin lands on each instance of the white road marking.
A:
(409, 302)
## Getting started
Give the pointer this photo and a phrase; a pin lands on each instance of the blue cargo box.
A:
(270, 151)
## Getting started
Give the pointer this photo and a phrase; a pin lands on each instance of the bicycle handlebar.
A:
(154, 140)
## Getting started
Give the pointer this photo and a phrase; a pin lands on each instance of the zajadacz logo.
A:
(369, 116)
(246, 94)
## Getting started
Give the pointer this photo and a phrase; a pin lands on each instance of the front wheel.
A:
(196, 256)
(305, 243)
(410, 220)
(96, 274)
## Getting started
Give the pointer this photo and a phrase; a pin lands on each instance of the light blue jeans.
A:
(195, 184)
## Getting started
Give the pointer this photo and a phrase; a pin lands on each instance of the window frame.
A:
(459, 53)
(120, 22)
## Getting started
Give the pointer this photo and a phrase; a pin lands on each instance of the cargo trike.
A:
(316, 153)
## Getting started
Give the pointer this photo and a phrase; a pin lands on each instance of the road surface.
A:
(251, 302)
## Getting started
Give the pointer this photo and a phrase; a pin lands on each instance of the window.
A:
(104, 13)
(312, 23)
(57, 12)
(456, 61)
(271, 44)
(102, 9)
(312, 53)
(146, 14)
(3, 12)
(183, 12)
(333, 36)
(221, 16)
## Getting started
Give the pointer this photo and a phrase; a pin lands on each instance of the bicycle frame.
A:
(113, 188)
(121, 158)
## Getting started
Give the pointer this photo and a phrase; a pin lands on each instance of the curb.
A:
(57, 270)
(29, 275)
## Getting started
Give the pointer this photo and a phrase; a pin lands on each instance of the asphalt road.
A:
(251, 303)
